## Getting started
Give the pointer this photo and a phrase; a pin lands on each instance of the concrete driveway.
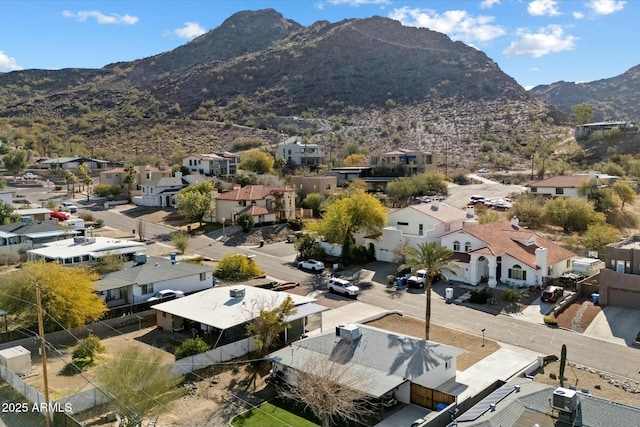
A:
(459, 195)
(536, 311)
(616, 325)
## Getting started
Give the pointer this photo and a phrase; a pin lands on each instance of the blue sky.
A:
(534, 41)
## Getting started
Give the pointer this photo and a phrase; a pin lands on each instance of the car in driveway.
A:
(483, 170)
(29, 176)
(552, 293)
(166, 295)
(311, 264)
(342, 286)
(69, 206)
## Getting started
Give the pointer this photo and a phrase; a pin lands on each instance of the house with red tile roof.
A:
(504, 252)
(265, 203)
(416, 224)
(567, 185)
(144, 175)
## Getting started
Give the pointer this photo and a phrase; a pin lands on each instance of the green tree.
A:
(109, 264)
(191, 347)
(194, 201)
(88, 348)
(180, 239)
(7, 213)
(15, 161)
(625, 193)
(71, 179)
(354, 160)
(583, 112)
(571, 214)
(529, 208)
(139, 383)
(437, 261)
(598, 236)
(65, 305)
(257, 161)
(130, 178)
(313, 201)
(235, 267)
(601, 196)
(84, 175)
(246, 221)
(349, 214)
(269, 323)
(308, 247)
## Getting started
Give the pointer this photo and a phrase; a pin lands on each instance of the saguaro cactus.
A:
(563, 362)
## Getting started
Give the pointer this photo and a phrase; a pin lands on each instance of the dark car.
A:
(552, 293)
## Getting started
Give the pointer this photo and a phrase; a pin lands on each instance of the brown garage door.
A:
(624, 298)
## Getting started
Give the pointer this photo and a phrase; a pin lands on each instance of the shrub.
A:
(245, 221)
(86, 216)
(550, 320)
(84, 354)
(236, 267)
(480, 297)
(511, 295)
(181, 240)
(190, 347)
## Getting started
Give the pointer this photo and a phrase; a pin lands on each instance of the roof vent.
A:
(349, 332)
(236, 293)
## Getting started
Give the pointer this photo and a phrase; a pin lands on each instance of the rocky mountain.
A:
(371, 82)
(613, 99)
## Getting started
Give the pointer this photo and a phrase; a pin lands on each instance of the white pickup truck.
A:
(417, 280)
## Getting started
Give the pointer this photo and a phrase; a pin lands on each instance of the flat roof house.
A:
(82, 250)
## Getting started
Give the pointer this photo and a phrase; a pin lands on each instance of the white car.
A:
(29, 176)
(342, 286)
(311, 264)
(165, 295)
(68, 206)
(417, 280)
(483, 170)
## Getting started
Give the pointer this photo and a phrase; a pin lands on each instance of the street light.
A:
(483, 329)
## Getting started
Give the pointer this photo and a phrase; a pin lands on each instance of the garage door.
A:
(624, 298)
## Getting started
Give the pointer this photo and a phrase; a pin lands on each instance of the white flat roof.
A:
(215, 307)
(68, 248)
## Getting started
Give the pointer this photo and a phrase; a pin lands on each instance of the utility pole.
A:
(43, 350)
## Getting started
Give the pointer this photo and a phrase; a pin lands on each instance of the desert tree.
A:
(139, 384)
(332, 389)
(571, 214)
(130, 177)
(235, 267)
(625, 193)
(65, 305)
(194, 201)
(583, 112)
(267, 319)
(180, 239)
(15, 161)
(598, 236)
(257, 161)
(437, 261)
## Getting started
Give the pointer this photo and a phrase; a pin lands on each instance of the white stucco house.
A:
(213, 164)
(567, 185)
(417, 224)
(162, 192)
(264, 202)
(504, 252)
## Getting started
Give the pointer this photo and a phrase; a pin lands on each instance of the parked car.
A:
(552, 293)
(476, 199)
(417, 281)
(483, 170)
(311, 264)
(29, 176)
(166, 295)
(59, 215)
(69, 207)
(342, 286)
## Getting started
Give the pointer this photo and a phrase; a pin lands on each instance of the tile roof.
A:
(502, 238)
(255, 210)
(564, 181)
(252, 192)
(441, 211)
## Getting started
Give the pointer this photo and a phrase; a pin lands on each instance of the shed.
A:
(17, 359)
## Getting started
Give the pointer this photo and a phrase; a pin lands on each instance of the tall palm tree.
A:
(437, 261)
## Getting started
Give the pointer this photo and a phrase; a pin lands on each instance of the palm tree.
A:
(437, 261)
(130, 178)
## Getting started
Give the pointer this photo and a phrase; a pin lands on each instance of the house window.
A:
(447, 228)
(517, 273)
(151, 190)
(403, 223)
(456, 246)
(559, 190)
(146, 289)
(447, 364)
(421, 229)
(534, 189)
(164, 314)
(568, 263)
(203, 277)
(467, 247)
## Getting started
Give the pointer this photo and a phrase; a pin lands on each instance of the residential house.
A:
(296, 153)
(620, 278)
(585, 130)
(504, 252)
(213, 164)
(530, 403)
(325, 185)
(143, 276)
(403, 162)
(84, 250)
(567, 185)
(162, 192)
(220, 315)
(413, 370)
(27, 234)
(264, 203)
(144, 175)
(346, 174)
(417, 224)
(72, 163)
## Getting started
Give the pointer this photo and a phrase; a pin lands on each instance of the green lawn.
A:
(269, 415)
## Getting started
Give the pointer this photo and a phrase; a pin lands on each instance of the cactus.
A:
(563, 362)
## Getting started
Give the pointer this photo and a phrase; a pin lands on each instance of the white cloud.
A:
(457, 24)
(606, 7)
(100, 17)
(488, 4)
(8, 63)
(543, 8)
(547, 40)
(189, 31)
(578, 15)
